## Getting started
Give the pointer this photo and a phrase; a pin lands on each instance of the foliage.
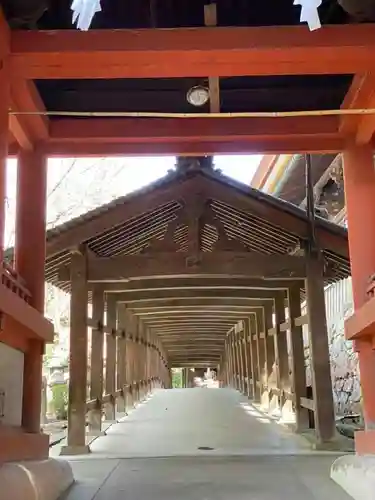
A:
(176, 378)
(60, 401)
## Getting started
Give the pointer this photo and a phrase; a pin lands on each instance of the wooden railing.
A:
(12, 280)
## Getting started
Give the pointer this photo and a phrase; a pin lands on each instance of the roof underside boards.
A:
(168, 95)
(190, 310)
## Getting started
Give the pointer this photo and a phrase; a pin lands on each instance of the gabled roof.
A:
(128, 224)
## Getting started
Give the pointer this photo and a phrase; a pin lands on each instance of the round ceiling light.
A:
(198, 96)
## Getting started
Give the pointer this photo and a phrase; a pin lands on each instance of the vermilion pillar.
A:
(4, 124)
(29, 262)
(359, 176)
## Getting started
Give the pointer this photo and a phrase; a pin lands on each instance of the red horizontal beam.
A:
(307, 144)
(133, 130)
(192, 52)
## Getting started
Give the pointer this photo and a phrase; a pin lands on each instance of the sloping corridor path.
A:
(201, 444)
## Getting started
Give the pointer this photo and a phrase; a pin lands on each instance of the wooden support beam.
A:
(193, 301)
(361, 95)
(269, 354)
(250, 264)
(30, 233)
(319, 349)
(110, 366)
(281, 349)
(297, 358)
(195, 293)
(77, 357)
(210, 20)
(96, 361)
(319, 144)
(233, 282)
(97, 344)
(253, 333)
(157, 53)
(170, 130)
(31, 128)
(5, 79)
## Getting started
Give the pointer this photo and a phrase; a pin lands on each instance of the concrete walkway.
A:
(201, 444)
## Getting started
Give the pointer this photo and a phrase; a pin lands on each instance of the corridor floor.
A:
(201, 444)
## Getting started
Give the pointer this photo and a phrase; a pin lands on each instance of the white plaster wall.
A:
(11, 385)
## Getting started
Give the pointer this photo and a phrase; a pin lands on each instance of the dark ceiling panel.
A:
(246, 94)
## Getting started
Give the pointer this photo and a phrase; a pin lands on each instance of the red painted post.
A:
(359, 176)
(29, 261)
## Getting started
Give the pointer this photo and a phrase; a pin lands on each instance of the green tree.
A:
(60, 401)
(176, 378)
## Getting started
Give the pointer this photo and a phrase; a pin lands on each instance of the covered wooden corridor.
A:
(195, 443)
(196, 271)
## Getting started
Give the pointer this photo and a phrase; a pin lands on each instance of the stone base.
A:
(75, 450)
(17, 445)
(35, 480)
(356, 475)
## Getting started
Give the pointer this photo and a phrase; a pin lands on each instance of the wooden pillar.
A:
(253, 334)
(29, 261)
(260, 354)
(298, 358)
(96, 368)
(120, 360)
(281, 349)
(319, 349)
(78, 356)
(110, 365)
(237, 348)
(148, 362)
(4, 128)
(129, 361)
(269, 398)
(245, 341)
(235, 360)
(247, 354)
(241, 356)
(136, 362)
(143, 361)
(230, 362)
(359, 177)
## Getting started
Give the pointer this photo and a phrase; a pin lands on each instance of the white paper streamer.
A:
(84, 11)
(309, 13)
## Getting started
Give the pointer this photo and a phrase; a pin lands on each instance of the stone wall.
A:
(344, 363)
